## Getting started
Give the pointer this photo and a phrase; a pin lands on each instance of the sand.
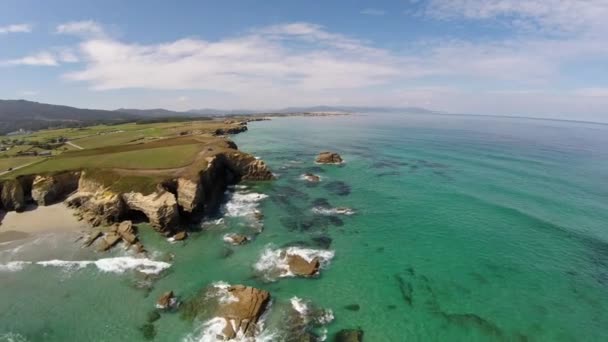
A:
(53, 218)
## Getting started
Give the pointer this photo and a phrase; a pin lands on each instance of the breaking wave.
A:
(242, 203)
(333, 211)
(107, 265)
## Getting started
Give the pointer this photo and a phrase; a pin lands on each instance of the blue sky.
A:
(545, 58)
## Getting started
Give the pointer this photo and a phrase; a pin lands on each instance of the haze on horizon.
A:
(542, 58)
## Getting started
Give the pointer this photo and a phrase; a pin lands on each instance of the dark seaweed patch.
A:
(353, 307)
(338, 188)
(226, 252)
(473, 321)
(405, 288)
(336, 221)
(380, 249)
(391, 307)
(322, 241)
(148, 331)
(289, 192)
(315, 169)
(321, 202)
(389, 173)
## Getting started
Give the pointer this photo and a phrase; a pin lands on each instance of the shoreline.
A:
(38, 220)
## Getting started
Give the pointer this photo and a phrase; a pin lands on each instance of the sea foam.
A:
(273, 262)
(108, 265)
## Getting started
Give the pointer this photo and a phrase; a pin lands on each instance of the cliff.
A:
(105, 197)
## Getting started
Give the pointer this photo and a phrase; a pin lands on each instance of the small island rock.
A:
(329, 158)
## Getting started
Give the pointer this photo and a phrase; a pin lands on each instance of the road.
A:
(20, 167)
(74, 145)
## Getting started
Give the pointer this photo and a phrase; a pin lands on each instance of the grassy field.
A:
(127, 157)
(6, 163)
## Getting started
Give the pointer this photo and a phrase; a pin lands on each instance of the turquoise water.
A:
(466, 229)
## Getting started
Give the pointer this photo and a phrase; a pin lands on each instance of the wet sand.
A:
(53, 218)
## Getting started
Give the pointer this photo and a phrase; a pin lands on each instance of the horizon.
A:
(539, 59)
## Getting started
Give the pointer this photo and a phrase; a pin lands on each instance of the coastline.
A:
(38, 220)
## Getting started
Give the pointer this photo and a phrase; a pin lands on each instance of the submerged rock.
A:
(329, 158)
(349, 335)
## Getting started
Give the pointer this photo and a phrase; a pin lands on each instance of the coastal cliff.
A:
(106, 197)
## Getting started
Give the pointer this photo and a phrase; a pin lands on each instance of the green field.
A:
(6, 163)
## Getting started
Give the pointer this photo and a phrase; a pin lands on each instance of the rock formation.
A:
(166, 301)
(329, 158)
(243, 313)
(300, 267)
(12, 195)
(159, 207)
(53, 188)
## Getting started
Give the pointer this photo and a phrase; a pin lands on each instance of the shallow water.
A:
(465, 228)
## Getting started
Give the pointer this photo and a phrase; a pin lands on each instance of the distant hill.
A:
(28, 115)
(347, 109)
(153, 113)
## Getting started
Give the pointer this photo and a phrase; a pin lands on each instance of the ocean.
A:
(463, 228)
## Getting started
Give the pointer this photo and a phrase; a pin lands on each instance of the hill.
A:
(28, 115)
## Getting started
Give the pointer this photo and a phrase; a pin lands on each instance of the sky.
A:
(542, 58)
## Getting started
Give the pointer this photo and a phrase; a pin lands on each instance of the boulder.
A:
(312, 177)
(50, 189)
(236, 239)
(179, 236)
(159, 207)
(349, 335)
(166, 301)
(12, 195)
(92, 237)
(109, 240)
(300, 267)
(244, 311)
(329, 158)
(126, 232)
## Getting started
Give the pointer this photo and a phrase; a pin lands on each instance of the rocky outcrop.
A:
(242, 313)
(159, 207)
(240, 307)
(329, 158)
(349, 335)
(108, 241)
(97, 204)
(301, 267)
(53, 188)
(235, 129)
(247, 167)
(12, 195)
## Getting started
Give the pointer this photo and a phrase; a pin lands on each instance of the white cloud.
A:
(44, 58)
(28, 93)
(373, 12)
(38, 59)
(16, 28)
(294, 56)
(85, 28)
(557, 16)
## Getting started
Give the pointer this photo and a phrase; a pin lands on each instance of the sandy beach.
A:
(53, 218)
